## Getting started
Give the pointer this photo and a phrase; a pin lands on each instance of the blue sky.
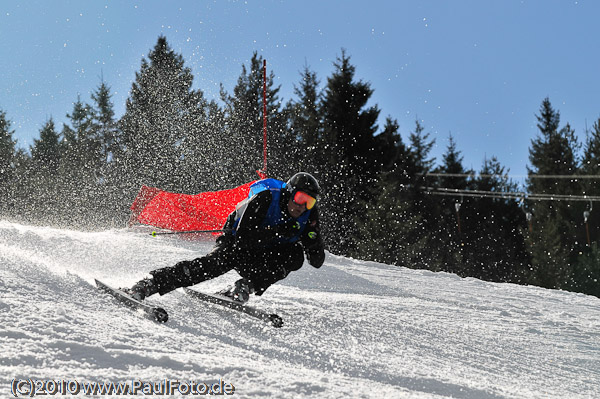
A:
(476, 69)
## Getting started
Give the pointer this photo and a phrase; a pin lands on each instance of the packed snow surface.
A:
(352, 329)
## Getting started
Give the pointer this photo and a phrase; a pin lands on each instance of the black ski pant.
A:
(262, 267)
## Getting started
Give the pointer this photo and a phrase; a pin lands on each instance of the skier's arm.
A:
(312, 241)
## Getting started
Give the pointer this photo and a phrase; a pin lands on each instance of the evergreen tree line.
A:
(377, 201)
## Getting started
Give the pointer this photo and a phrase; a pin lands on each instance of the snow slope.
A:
(353, 329)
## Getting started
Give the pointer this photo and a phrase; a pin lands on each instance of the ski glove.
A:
(315, 257)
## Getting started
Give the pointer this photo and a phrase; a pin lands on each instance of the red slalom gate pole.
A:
(264, 117)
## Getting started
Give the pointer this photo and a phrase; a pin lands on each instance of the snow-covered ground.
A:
(352, 329)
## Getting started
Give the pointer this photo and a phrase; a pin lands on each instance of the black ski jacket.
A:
(252, 236)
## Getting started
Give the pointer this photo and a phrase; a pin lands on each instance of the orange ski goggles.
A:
(301, 198)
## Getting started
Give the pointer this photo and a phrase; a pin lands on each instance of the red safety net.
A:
(184, 212)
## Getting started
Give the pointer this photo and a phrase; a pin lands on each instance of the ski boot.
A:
(141, 289)
(239, 292)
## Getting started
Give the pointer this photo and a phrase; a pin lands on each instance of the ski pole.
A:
(154, 233)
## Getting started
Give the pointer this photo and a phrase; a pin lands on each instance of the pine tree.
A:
(78, 168)
(203, 152)
(45, 151)
(551, 259)
(391, 230)
(586, 272)
(80, 146)
(350, 145)
(350, 126)
(492, 227)
(452, 167)
(83, 148)
(590, 165)
(421, 146)
(586, 268)
(305, 123)
(244, 121)
(423, 204)
(7, 150)
(395, 228)
(591, 156)
(43, 188)
(7, 164)
(109, 204)
(554, 240)
(105, 125)
(387, 146)
(157, 121)
(448, 237)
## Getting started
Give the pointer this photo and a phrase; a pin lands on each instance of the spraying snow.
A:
(352, 328)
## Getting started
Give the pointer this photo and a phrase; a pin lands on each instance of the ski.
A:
(152, 312)
(216, 299)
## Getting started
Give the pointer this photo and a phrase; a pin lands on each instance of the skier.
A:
(264, 240)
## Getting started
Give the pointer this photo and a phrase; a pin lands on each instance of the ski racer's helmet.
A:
(304, 182)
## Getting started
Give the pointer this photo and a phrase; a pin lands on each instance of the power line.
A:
(533, 176)
(454, 192)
